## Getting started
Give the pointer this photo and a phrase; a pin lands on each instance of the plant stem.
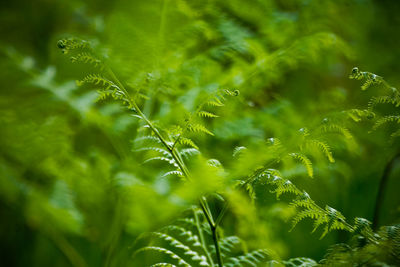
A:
(381, 190)
(213, 228)
(202, 239)
(66, 248)
(221, 214)
(217, 248)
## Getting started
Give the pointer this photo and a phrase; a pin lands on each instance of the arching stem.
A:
(381, 190)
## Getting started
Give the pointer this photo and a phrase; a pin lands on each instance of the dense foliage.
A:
(200, 133)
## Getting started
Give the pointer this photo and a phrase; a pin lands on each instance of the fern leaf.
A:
(335, 128)
(215, 102)
(214, 163)
(188, 235)
(251, 192)
(177, 173)
(169, 160)
(303, 201)
(312, 213)
(253, 258)
(147, 138)
(357, 114)
(87, 58)
(335, 221)
(201, 260)
(232, 93)
(188, 142)
(199, 128)
(281, 185)
(187, 152)
(228, 244)
(163, 264)
(219, 97)
(172, 255)
(305, 161)
(97, 79)
(395, 134)
(324, 147)
(206, 114)
(156, 149)
(300, 262)
(386, 119)
(70, 44)
(376, 100)
(238, 150)
(369, 78)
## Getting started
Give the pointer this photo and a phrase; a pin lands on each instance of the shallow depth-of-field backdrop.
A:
(252, 96)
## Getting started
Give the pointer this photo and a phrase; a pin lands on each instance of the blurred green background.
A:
(72, 191)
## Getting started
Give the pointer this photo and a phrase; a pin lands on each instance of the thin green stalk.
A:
(217, 248)
(202, 239)
(221, 214)
(66, 248)
(381, 190)
(213, 228)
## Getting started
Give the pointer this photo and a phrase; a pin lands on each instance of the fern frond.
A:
(169, 253)
(305, 161)
(368, 77)
(97, 79)
(251, 192)
(188, 152)
(168, 160)
(228, 243)
(70, 44)
(189, 222)
(363, 227)
(324, 147)
(300, 262)
(282, 185)
(215, 102)
(275, 141)
(187, 234)
(336, 221)
(376, 100)
(385, 120)
(199, 128)
(206, 114)
(317, 215)
(358, 114)
(337, 254)
(156, 149)
(218, 98)
(253, 258)
(395, 134)
(214, 163)
(338, 129)
(177, 173)
(87, 58)
(232, 93)
(238, 150)
(371, 249)
(303, 201)
(329, 217)
(147, 138)
(188, 142)
(200, 260)
(163, 264)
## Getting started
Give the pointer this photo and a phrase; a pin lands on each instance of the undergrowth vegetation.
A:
(201, 133)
